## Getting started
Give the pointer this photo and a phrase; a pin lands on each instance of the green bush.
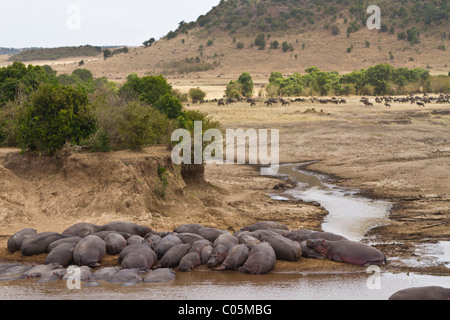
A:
(260, 41)
(54, 115)
(197, 94)
(18, 78)
(148, 89)
(169, 105)
(84, 74)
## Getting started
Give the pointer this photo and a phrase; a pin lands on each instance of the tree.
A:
(169, 105)
(274, 45)
(260, 41)
(54, 115)
(149, 42)
(197, 94)
(107, 54)
(147, 89)
(18, 78)
(246, 83)
(84, 74)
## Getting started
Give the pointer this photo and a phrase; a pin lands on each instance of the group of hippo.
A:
(253, 249)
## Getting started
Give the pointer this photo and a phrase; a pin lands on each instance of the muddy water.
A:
(349, 214)
(207, 285)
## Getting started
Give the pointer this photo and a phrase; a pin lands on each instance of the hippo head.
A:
(319, 245)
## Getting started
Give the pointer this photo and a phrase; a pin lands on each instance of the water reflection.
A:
(228, 285)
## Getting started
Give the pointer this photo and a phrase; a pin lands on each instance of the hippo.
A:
(38, 270)
(217, 256)
(160, 275)
(84, 272)
(165, 244)
(13, 272)
(137, 256)
(285, 249)
(422, 293)
(262, 225)
(188, 228)
(236, 257)
(205, 254)
(89, 251)
(39, 243)
(199, 245)
(135, 239)
(245, 237)
(15, 241)
(128, 227)
(62, 254)
(152, 240)
(227, 240)
(173, 256)
(326, 236)
(210, 234)
(56, 243)
(348, 251)
(103, 234)
(105, 273)
(268, 232)
(299, 235)
(52, 275)
(261, 259)
(82, 229)
(190, 261)
(308, 252)
(126, 277)
(115, 243)
(189, 238)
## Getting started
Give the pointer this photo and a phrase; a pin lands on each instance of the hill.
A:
(331, 35)
(56, 53)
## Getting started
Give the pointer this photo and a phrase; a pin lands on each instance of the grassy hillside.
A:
(288, 36)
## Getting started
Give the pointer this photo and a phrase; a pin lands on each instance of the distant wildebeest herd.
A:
(421, 101)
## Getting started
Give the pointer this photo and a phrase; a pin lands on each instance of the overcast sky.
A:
(54, 23)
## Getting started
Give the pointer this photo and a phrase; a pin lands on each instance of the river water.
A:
(349, 215)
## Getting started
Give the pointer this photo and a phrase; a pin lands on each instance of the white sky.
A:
(55, 23)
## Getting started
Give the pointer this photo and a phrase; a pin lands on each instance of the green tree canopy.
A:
(54, 115)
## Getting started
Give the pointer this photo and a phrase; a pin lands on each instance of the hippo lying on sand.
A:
(422, 293)
(236, 257)
(127, 227)
(261, 259)
(82, 229)
(89, 251)
(137, 256)
(15, 242)
(348, 251)
(62, 255)
(285, 249)
(39, 243)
